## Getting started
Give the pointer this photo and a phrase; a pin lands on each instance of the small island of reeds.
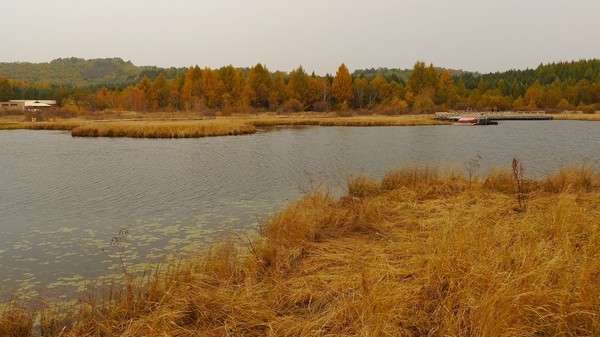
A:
(419, 253)
(195, 128)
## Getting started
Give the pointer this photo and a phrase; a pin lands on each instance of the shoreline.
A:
(187, 127)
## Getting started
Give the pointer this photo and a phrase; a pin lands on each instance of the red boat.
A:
(475, 121)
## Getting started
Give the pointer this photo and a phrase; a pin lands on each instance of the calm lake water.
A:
(63, 199)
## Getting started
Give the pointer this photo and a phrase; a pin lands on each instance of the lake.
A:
(63, 199)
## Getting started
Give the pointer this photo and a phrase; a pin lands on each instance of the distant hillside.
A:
(80, 72)
(401, 75)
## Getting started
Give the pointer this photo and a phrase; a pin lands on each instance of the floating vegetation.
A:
(66, 230)
(60, 262)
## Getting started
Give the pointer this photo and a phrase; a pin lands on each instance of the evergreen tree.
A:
(6, 90)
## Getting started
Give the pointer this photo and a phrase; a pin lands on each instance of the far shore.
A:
(192, 125)
(186, 126)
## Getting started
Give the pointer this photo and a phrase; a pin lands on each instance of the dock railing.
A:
(497, 115)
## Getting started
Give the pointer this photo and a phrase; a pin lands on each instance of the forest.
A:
(81, 86)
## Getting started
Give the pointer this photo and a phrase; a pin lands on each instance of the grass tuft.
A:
(579, 177)
(16, 318)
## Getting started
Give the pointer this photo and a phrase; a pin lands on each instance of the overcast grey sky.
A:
(477, 35)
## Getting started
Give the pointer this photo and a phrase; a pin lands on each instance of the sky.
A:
(474, 35)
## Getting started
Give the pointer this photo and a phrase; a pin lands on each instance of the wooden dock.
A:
(496, 116)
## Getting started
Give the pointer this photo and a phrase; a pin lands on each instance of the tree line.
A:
(424, 89)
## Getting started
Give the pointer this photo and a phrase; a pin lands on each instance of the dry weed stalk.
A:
(518, 173)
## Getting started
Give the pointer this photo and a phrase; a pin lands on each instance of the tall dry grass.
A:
(64, 125)
(142, 129)
(420, 253)
(403, 120)
(164, 129)
(577, 116)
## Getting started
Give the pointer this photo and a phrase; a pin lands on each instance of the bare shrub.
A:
(291, 105)
(322, 107)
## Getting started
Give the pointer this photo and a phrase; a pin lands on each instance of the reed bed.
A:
(420, 253)
(404, 120)
(143, 129)
(577, 117)
(64, 125)
(164, 129)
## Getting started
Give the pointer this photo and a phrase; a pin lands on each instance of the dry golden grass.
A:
(163, 129)
(403, 120)
(143, 129)
(63, 125)
(419, 254)
(16, 319)
(577, 117)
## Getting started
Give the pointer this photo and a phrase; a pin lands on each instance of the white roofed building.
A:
(32, 104)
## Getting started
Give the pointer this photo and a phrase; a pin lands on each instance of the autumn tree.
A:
(212, 88)
(534, 95)
(191, 90)
(234, 81)
(175, 89)
(447, 91)
(423, 80)
(584, 92)
(563, 105)
(160, 92)
(552, 94)
(398, 90)
(360, 87)
(132, 99)
(501, 86)
(145, 86)
(341, 88)
(423, 104)
(379, 90)
(461, 90)
(107, 99)
(278, 93)
(324, 88)
(320, 89)
(423, 85)
(298, 86)
(258, 86)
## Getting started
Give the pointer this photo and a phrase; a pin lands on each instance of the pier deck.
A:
(496, 116)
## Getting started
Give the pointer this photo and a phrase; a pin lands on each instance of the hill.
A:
(79, 72)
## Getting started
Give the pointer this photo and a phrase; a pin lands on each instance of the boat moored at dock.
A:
(475, 121)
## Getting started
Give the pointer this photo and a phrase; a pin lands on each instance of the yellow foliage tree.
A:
(341, 88)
